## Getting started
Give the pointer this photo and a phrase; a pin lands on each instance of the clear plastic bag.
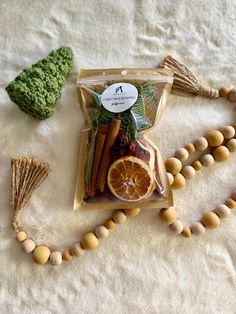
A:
(119, 167)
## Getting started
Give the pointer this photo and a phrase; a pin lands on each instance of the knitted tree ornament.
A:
(36, 89)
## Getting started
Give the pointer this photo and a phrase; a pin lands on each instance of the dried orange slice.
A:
(130, 179)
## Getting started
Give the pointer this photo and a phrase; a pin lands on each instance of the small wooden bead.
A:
(188, 172)
(197, 165)
(132, 211)
(182, 154)
(207, 160)
(190, 148)
(214, 138)
(168, 215)
(222, 211)
(101, 232)
(173, 165)
(231, 145)
(197, 228)
(21, 236)
(109, 224)
(170, 178)
(177, 227)
(41, 254)
(77, 249)
(233, 195)
(221, 153)
(89, 241)
(186, 232)
(232, 95)
(223, 91)
(119, 217)
(179, 181)
(210, 220)
(67, 256)
(55, 258)
(228, 132)
(230, 203)
(28, 245)
(201, 144)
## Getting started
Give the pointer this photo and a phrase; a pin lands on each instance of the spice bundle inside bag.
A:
(119, 167)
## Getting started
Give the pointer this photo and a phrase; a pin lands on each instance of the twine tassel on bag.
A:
(184, 80)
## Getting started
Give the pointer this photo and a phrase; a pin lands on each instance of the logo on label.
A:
(119, 97)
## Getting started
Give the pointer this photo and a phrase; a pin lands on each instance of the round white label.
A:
(119, 97)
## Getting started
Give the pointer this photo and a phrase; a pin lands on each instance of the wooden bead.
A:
(228, 132)
(190, 148)
(233, 195)
(188, 172)
(28, 245)
(231, 145)
(197, 228)
(168, 215)
(222, 211)
(179, 181)
(232, 95)
(214, 138)
(182, 154)
(55, 258)
(197, 165)
(230, 203)
(132, 211)
(109, 224)
(173, 165)
(186, 232)
(170, 178)
(89, 241)
(220, 153)
(207, 160)
(67, 256)
(177, 227)
(223, 91)
(210, 220)
(201, 144)
(77, 250)
(21, 236)
(41, 254)
(119, 217)
(101, 232)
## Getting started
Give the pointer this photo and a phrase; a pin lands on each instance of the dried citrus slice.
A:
(130, 179)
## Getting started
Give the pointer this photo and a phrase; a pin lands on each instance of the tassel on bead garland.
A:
(184, 80)
(27, 175)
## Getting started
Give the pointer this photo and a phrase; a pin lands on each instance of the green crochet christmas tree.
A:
(36, 89)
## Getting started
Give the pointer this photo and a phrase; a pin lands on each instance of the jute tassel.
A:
(184, 80)
(27, 175)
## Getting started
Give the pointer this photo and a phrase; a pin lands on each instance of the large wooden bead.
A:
(222, 211)
(201, 144)
(220, 153)
(182, 154)
(109, 224)
(168, 215)
(197, 165)
(41, 254)
(170, 178)
(228, 132)
(177, 227)
(55, 258)
(207, 160)
(119, 217)
(210, 220)
(89, 241)
(214, 138)
(224, 91)
(173, 165)
(101, 232)
(67, 256)
(197, 228)
(233, 195)
(186, 232)
(232, 95)
(132, 211)
(21, 236)
(190, 148)
(28, 245)
(231, 145)
(230, 203)
(188, 172)
(179, 181)
(77, 250)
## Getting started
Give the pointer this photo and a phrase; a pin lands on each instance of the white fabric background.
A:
(140, 268)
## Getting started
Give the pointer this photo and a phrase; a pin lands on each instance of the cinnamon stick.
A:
(101, 137)
(105, 161)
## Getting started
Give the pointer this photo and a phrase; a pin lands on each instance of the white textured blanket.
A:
(140, 268)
